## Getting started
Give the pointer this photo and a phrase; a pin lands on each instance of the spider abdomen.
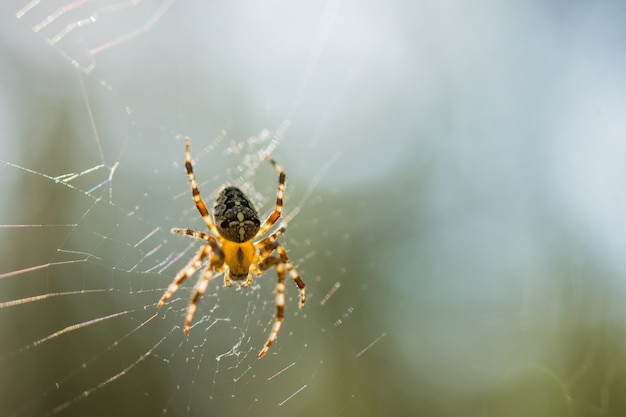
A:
(236, 218)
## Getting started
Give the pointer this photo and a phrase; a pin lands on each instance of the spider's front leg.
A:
(204, 212)
(278, 208)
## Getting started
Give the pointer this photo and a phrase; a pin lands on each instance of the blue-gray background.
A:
(470, 203)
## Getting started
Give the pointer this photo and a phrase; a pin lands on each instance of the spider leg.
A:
(278, 209)
(207, 237)
(204, 212)
(269, 261)
(185, 273)
(194, 233)
(293, 274)
(265, 245)
(200, 288)
(282, 262)
(280, 307)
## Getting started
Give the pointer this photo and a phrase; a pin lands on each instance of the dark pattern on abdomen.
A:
(235, 217)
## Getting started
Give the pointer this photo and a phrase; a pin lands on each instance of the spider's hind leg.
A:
(282, 262)
(280, 309)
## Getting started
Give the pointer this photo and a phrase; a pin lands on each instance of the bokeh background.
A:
(457, 170)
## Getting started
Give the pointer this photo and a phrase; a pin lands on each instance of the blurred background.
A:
(454, 176)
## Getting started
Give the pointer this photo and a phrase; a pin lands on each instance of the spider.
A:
(230, 243)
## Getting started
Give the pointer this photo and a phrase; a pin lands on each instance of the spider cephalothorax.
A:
(230, 245)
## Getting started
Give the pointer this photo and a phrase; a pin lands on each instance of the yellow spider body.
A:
(238, 257)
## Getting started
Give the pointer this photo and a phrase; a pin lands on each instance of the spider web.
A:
(106, 183)
(453, 205)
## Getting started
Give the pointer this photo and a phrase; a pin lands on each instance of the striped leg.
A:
(199, 289)
(217, 250)
(278, 209)
(280, 307)
(281, 261)
(195, 192)
(293, 274)
(185, 273)
(269, 261)
(266, 246)
(194, 233)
